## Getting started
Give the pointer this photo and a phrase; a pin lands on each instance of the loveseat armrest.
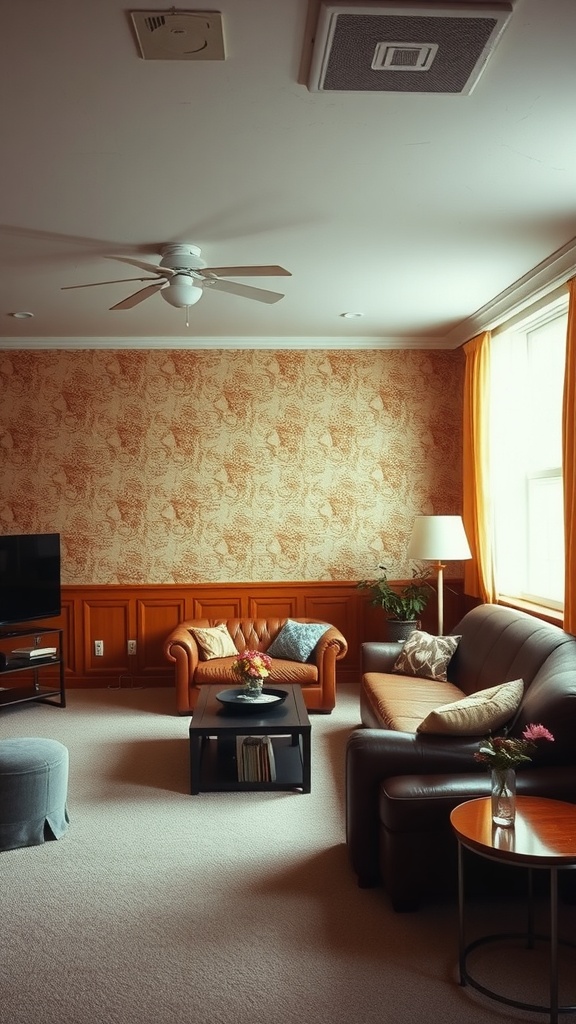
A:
(331, 644)
(181, 648)
(331, 647)
(379, 657)
(373, 755)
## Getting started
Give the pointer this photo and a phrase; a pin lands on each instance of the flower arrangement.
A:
(251, 667)
(502, 752)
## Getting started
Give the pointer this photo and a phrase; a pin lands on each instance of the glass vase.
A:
(253, 687)
(503, 797)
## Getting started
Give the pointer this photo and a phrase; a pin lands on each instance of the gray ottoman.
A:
(33, 791)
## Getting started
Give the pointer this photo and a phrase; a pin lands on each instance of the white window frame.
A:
(518, 483)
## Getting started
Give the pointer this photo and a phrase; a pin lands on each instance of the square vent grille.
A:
(392, 47)
(179, 35)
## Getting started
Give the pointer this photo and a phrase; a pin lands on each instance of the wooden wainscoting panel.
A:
(107, 619)
(147, 613)
(156, 618)
(273, 606)
(341, 611)
(213, 606)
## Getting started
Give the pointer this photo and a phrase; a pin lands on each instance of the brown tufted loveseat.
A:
(317, 676)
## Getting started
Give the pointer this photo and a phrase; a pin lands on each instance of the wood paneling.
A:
(156, 618)
(147, 614)
(213, 606)
(108, 620)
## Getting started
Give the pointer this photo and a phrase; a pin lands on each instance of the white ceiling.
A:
(415, 210)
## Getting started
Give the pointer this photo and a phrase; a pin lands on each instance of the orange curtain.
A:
(476, 507)
(569, 465)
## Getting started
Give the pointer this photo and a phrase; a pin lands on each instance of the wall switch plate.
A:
(99, 648)
(131, 647)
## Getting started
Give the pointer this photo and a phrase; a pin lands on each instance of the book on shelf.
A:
(255, 759)
(34, 652)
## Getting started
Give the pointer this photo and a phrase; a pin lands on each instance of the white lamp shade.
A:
(182, 291)
(439, 539)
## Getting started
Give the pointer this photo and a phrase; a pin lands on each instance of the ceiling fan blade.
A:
(247, 271)
(119, 280)
(137, 297)
(245, 290)
(143, 265)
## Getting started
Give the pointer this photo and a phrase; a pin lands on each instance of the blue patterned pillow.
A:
(297, 640)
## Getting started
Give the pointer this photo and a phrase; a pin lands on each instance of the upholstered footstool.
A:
(33, 791)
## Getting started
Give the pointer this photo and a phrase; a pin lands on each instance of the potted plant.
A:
(402, 606)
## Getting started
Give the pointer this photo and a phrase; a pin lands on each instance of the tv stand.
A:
(12, 664)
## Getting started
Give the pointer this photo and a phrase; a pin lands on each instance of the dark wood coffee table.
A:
(213, 732)
(543, 837)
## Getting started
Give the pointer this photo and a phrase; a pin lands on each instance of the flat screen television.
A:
(29, 577)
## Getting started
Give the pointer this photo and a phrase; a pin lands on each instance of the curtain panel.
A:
(569, 464)
(476, 507)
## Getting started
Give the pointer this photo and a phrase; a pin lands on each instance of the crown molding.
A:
(277, 344)
(539, 282)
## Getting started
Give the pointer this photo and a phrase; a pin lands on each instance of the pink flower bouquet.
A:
(251, 667)
(502, 752)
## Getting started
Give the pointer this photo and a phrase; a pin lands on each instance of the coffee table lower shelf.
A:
(219, 769)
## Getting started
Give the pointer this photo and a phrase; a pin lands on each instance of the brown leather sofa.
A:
(317, 676)
(402, 785)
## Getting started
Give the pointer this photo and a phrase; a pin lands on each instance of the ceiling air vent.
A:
(394, 47)
(179, 35)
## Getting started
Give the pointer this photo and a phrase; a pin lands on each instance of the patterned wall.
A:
(238, 466)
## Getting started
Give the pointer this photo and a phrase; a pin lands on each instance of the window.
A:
(527, 368)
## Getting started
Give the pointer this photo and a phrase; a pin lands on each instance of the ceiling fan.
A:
(182, 275)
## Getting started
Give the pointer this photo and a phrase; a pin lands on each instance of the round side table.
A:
(543, 837)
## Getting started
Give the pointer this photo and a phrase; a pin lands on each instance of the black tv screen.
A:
(29, 577)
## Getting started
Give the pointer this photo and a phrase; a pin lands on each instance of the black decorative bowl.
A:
(234, 701)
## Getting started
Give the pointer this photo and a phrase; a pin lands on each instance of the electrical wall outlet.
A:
(99, 648)
(131, 647)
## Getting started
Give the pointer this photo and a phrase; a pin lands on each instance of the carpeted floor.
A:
(228, 908)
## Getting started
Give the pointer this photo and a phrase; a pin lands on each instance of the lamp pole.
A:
(439, 567)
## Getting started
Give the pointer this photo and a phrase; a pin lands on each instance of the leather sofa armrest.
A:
(181, 648)
(331, 641)
(373, 755)
(379, 657)
(330, 648)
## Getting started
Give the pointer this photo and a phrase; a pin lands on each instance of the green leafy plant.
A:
(406, 602)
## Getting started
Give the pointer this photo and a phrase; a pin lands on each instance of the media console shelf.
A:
(12, 664)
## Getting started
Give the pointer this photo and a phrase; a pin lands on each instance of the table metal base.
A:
(466, 978)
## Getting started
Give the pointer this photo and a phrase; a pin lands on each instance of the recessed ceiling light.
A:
(351, 316)
(22, 316)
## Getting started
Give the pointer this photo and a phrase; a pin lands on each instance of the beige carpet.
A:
(230, 908)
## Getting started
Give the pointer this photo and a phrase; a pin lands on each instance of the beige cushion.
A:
(478, 713)
(425, 655)
(214, 642)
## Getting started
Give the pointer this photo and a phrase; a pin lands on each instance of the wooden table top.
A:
(544, 833)
(210, 716)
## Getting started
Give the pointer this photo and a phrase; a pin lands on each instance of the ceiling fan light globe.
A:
(182, 292)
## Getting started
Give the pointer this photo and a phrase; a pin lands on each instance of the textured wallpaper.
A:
(228, 466)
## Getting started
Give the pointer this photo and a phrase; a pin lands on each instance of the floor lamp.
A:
(439, 539)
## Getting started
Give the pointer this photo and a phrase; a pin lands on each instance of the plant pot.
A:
(400, 629)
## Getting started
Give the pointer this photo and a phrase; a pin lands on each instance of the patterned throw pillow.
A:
(478, 713)
(297, 640)
(214, 642)
(426, 656)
